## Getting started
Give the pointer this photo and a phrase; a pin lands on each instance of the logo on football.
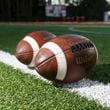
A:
(29, 46)
(67, 58)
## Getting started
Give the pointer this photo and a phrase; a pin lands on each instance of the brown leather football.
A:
(67, 58)
(28, 47)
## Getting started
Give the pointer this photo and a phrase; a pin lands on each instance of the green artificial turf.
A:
(20, 91)
(11, 34)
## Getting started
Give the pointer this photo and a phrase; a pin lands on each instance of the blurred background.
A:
(55, 10)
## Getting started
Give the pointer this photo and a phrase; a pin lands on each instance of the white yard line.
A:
(11, 60)
(87, 88)
(88, 32)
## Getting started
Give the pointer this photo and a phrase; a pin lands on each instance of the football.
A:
(29, 46)
(66, 59)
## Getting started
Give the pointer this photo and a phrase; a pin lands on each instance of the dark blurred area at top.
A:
(34, 10)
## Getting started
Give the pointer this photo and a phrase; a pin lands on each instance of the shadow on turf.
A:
(101, 73)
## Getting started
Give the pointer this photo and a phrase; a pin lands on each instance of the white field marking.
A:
(61, 59)
(11, 60)
(87, 88)
(88, 32)
(35, 47)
